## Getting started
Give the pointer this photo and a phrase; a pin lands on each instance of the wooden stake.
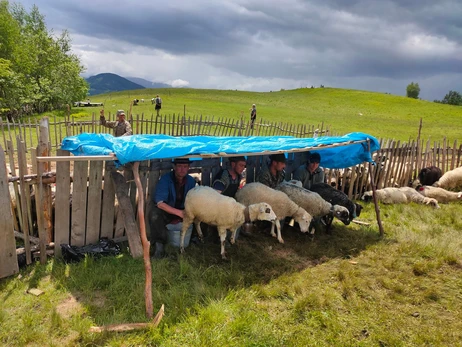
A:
(144, 240)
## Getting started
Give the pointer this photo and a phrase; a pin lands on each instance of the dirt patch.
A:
(69, 307)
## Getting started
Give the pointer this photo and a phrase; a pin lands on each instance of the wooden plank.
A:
(79, 203)
(444, 163)
(62, 204)
(8, 259)
(22, 164)
(453, 155)
(94, 202)
(17, 196)
(107, 219)
(126, 209)
(43, 217)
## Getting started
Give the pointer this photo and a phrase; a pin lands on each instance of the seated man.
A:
(121, 126)
(168, 201)
(273, 174)
(227, 181)
(310, 173)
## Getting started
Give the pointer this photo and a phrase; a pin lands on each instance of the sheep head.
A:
(303, 219)
(262, 211)
(341, 213)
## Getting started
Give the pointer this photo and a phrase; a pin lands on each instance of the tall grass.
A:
(344, 289)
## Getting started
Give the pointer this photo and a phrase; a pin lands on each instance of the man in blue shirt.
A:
(168, 201)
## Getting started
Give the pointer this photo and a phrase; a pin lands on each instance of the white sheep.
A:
(313, 203)
(402, 195)
(450, 180)
(282, 206)
(204, 204)
(441, 195)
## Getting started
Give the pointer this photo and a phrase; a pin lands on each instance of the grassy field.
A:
(350, 288)
(378, 114)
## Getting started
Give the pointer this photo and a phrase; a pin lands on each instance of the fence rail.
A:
(174, 125)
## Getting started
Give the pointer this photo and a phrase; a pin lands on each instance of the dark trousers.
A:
(158, 220)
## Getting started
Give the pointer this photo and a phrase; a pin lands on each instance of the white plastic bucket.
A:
(174, 234)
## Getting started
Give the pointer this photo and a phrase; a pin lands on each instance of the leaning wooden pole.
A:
(374, 194)
(144, 241)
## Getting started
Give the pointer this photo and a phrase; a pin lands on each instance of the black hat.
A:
(314, 158)
(181, 161)
(280, 157)
(236, 159)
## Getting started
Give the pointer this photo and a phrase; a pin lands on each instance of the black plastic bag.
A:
(104, 247)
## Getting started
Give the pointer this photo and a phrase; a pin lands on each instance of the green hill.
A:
(345, 110)
(109, 82)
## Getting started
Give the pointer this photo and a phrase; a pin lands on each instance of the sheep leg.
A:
(233, 236)
(278, 230)
(199, 231)
(184, 227)
(222, 233)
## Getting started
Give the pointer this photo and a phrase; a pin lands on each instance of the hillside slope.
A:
(344, 110)
(109, 82)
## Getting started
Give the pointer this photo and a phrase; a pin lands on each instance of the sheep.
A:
(313, 203)
(336, 197)
(205, 204)
(441, 195)
(402, 195)
(429, 175)
(450, 180)
(282, 206)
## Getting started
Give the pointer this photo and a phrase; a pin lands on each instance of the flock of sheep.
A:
(257, 202)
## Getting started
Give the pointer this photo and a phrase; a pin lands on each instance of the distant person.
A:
(227, 181)
(310, 173)
(273, 174)
(121, 126)
(169, 198)
(253, 115)
(158, 103)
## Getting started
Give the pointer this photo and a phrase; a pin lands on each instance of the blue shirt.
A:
(165, 189)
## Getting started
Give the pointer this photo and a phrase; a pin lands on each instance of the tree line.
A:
(451, 98)
(38, 71)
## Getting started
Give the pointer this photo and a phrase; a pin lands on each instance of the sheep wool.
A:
(402, 195)
(282, 206)
(205, 204)
(313, 203)
(441, 195)
(450, 180)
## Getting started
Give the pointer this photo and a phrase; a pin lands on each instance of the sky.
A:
(268, 45)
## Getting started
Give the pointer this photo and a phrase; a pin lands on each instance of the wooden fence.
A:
(88, 206)
(174, 125)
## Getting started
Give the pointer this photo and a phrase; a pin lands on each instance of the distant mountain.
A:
(148, 84)
(109, 82)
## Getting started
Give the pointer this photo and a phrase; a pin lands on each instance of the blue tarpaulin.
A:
(336, 152)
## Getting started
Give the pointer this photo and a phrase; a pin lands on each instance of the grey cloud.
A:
(330, 40)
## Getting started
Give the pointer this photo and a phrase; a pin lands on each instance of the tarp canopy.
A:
(336, 152)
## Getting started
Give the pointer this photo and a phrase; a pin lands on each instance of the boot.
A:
(159, 253)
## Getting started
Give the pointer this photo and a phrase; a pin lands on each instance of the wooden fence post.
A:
(8, 259)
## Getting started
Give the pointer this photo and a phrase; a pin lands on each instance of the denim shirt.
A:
(165, 189)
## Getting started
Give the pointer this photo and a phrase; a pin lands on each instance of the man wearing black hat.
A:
(227, 181)
(168, 201)
(310, 173)
(273, 174)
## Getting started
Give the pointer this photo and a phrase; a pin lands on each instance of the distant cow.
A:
(429, 175)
